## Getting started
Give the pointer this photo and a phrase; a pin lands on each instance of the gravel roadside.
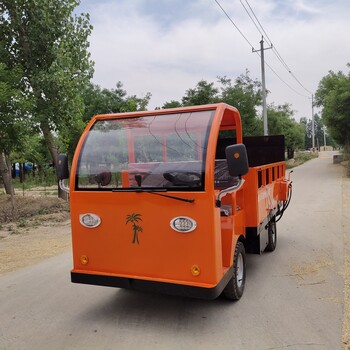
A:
(346, 231)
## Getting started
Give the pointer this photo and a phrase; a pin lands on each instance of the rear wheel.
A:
(235, 287)
(272, 236)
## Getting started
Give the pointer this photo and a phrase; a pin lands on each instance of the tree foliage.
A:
(281, 122)
(333, 94)
(243, 93)
(203, 93)
(49, 45)
(101, 101)
(13, 110)
(320, 133)
(171, 104)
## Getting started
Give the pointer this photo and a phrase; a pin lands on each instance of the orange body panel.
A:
(162, 253)
(263, 191)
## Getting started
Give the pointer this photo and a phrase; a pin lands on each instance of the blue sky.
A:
(166, 47)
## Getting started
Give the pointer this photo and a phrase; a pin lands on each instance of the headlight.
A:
(183, 224)
(90, 220)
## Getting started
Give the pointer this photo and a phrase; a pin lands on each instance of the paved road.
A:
(293, 297)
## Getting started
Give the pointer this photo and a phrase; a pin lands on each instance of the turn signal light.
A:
(84, 259)
(195, 270)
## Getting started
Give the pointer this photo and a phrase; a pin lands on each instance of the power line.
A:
(275, 51)
(256, 26)
(252, 47)
(262, 28)
(273, 71)
(300, 83)
(230, 19)
(264, 34)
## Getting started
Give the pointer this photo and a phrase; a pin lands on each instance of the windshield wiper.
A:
(172, 197)
(156, 192)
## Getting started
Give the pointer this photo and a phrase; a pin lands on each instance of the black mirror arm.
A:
(63, 186)
(229, 190)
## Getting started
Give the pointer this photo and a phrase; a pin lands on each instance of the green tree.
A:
(307, 140)
(50, 46)
(172, 104)
(203, 93)
(319, 128)
(245, 95)
(333, 95)
(36, 152)
(101, 101)
(281, 122)
(13, 110)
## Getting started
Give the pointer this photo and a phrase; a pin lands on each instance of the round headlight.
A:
(183, 224)
(90, 220)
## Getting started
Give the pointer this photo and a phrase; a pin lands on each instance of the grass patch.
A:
(28, 207)
(21, 223)
(47, 179)
(300, 158)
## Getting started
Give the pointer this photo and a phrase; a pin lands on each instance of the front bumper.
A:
(153, 286)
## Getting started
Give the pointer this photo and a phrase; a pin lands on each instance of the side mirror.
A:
(62, 167)
(237, 160)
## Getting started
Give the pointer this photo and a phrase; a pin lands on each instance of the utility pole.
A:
(313, 123)
(266, 130)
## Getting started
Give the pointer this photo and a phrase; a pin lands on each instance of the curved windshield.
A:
(161, 151)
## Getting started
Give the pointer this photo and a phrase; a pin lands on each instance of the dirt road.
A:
(28, 242)
(346, 271)
(41, 230)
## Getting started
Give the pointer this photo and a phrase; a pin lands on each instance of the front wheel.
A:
(235, 287)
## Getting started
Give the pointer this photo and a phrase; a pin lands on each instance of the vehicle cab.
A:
(158, 202)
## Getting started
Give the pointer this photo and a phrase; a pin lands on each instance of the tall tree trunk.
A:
(13, 170)
(21, 172)
(50, 142)
(12, 196)
(347, 150)
(5, 172)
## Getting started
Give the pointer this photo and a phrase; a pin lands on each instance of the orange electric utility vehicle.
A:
(165, 200)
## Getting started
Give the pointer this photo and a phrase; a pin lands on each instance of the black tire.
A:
(235, 287)
(272, 236)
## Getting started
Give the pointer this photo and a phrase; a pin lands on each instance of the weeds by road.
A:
(300, 158)
(28, 206)
(40, 229)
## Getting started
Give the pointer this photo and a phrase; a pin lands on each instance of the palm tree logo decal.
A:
(134, 219)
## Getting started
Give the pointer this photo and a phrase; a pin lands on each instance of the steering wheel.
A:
(179, 178)
(103, 176)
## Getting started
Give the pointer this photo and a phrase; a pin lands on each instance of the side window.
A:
(222, 178)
